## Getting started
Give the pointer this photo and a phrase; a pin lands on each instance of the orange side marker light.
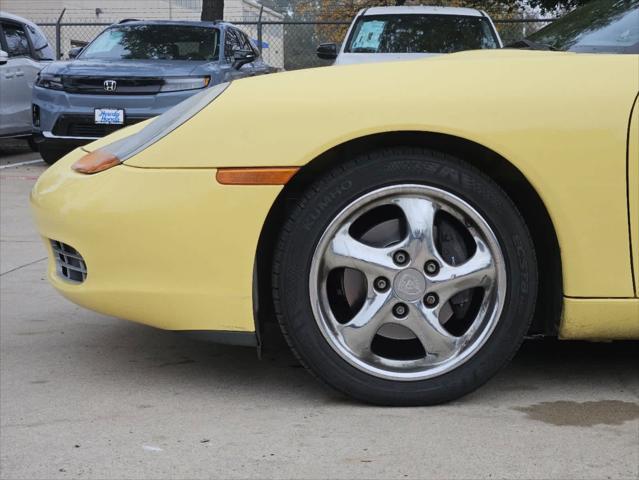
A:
(255, 176)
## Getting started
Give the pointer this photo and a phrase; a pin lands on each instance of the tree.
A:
(346, 9)
(547, 6)
(212, 10)
(333, 10)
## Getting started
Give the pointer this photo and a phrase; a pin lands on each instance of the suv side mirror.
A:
(327, 51)
(4, 57)
(74, 52)
(242, 57)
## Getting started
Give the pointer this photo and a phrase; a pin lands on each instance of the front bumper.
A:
(59, 142)
(168, 248)
(65, 119)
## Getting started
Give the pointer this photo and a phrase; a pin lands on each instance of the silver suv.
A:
(132, 71)
(381, 34)
(24, 51)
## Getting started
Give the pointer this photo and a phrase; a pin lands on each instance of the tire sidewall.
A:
(332, 194)
(51, 154)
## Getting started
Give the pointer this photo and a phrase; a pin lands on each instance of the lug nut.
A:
(431, 267)
(400, 257)
(400, 310)
(431, 300)
(381, 284)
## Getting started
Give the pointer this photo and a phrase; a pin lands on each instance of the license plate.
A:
(109, 116)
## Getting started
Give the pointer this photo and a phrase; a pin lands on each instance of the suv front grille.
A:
(85, 126)
(90, 130)
(71, 265)
(123, 85)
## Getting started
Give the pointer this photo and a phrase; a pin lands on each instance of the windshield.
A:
(414, 33)
(601, 26)
(154, 42)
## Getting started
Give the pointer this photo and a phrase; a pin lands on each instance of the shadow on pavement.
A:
(546, 367)
(13, 146)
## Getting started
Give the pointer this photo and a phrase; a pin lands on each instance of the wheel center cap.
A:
(409, 285)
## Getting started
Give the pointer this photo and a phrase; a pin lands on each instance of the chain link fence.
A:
(511, 30)
(289, 45)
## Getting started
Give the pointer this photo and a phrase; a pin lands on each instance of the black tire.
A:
(328, 196)
(50, 154)
(32, 144)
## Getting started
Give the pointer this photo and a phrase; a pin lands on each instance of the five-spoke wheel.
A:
(406, 277)
(352, 267)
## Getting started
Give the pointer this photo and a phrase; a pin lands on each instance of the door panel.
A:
(25, 72)
(17, 80)
(633, 193)
(8, 104)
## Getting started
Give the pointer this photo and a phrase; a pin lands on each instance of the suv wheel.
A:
(52, 154)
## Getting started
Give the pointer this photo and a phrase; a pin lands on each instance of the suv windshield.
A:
(415, 33)
(154, 42)
(601, 26)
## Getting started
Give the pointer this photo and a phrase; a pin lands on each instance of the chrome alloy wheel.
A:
(407, 282)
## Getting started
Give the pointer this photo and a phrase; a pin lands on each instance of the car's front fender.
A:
(560, 118)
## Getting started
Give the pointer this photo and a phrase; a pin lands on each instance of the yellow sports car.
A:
(407, 224)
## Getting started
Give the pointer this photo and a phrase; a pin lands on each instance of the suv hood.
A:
(128, 68)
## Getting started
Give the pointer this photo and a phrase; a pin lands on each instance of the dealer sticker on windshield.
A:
(109, 116)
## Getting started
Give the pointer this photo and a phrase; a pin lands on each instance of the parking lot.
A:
(88, 396)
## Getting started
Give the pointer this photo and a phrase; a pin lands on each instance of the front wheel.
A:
(405, 277)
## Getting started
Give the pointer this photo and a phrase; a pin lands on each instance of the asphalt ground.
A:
(83, 395)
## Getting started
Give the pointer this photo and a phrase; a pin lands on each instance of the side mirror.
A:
(242, 57)
(327, 51)
(74, 52)
(4, 57)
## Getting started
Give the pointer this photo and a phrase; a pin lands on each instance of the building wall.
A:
(113, 10)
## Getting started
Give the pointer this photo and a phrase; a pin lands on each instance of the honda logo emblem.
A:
(110, 85)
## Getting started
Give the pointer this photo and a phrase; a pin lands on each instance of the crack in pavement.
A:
(22, 266)
(5, 240)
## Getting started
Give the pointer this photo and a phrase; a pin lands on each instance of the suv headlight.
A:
(123, 149)
(46, 80)
(176, 84)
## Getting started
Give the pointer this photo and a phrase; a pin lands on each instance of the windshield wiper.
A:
(531, 45)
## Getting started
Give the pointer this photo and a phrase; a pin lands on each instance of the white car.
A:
(403, 33)
(24, 51)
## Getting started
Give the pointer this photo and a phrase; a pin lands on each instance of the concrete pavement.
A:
(87, 396)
